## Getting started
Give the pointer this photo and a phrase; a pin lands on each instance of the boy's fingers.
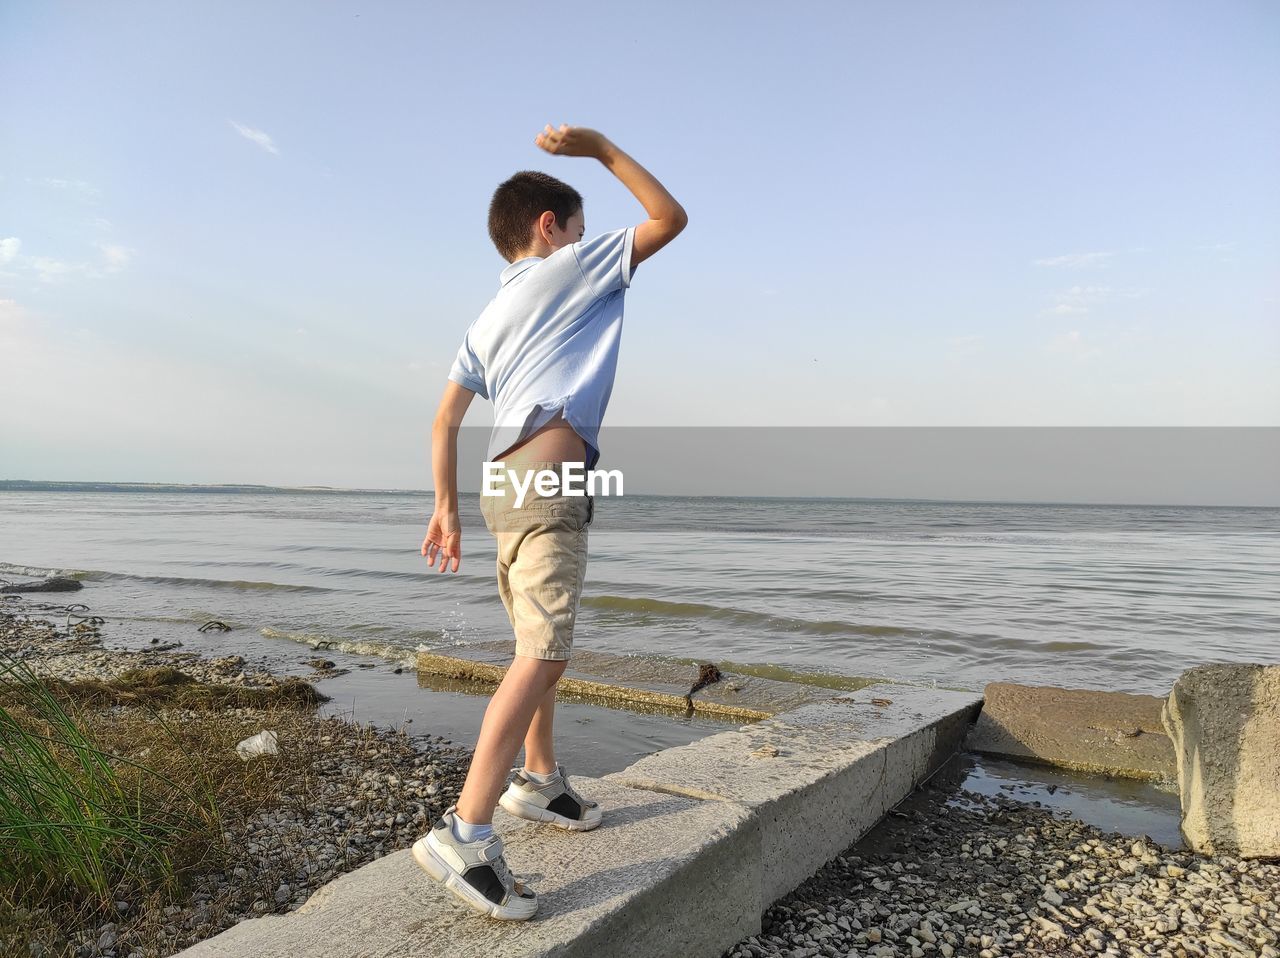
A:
(445, 556)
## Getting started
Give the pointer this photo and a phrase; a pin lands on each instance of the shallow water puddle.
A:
(1127, 806)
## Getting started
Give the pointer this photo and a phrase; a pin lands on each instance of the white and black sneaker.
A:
(556, 802)
(476, 872)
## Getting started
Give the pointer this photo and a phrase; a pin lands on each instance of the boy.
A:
(544, 351)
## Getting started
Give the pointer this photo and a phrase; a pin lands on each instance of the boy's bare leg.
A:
(506, 721)
(539, 750)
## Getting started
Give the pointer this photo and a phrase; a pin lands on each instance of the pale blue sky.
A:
(240, 241)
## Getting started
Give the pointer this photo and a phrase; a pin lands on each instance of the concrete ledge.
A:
(818, 778)
(663, 875)
(1108, 733)
(697, 841)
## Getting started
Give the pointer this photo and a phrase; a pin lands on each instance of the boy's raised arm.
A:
(444, 532)
(666, 217)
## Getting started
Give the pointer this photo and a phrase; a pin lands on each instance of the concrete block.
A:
(663, 875)
(819, 777)
(1225, 724)
(1100, 733)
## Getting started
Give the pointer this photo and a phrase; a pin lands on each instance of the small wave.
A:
(37, 572)
(399, 654)
(101, 575)
(237, 584)
(660, 608)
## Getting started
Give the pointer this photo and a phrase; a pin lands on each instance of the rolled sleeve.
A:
(605, 261)
(468, 370)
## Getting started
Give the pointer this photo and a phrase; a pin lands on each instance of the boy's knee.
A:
(554, 668)
(548, 669)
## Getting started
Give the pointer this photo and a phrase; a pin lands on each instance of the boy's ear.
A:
(545, 222)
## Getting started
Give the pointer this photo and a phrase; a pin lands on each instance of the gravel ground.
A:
(962, 874)
(368, 792)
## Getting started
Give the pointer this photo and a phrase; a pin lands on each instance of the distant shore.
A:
(34, 485)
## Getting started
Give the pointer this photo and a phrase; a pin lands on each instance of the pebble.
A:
(927, 888)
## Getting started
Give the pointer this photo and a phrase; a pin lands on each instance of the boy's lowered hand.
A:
(573, 141)
(444, 539)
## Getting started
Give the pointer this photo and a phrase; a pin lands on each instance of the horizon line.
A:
(233, 488)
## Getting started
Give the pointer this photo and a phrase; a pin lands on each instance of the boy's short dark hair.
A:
(517, 204)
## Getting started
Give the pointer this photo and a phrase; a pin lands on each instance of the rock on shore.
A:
(1225, 724)
(55, 584)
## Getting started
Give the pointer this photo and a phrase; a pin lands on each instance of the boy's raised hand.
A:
(444, 539)
(572, 141)
(666, 217)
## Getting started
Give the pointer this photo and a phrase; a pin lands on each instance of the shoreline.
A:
(377, 789)
(361, 792)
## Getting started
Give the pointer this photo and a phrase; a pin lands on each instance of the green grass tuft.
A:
(77, 822)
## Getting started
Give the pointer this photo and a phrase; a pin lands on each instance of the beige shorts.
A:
(542, 561)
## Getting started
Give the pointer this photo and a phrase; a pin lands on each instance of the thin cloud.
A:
(1079, 300)
(255, 136)
(1074, 344)
(79, 187)
(50, 269)
(115, 257)
(962, 347)
(11, 312)
(9, 249)
(1076, 260)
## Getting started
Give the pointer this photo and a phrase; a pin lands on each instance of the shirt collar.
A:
(518, 267)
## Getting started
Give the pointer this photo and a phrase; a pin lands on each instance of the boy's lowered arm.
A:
(444, 533)
(666, 217)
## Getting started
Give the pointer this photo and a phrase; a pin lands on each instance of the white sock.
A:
(541, 778)
(464, 831)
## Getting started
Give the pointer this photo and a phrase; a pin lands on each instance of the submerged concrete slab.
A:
(819, 777)
(663, 875)
(635, 682)
(1108, 733)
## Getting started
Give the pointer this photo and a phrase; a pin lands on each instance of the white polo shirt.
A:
(548, 342)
